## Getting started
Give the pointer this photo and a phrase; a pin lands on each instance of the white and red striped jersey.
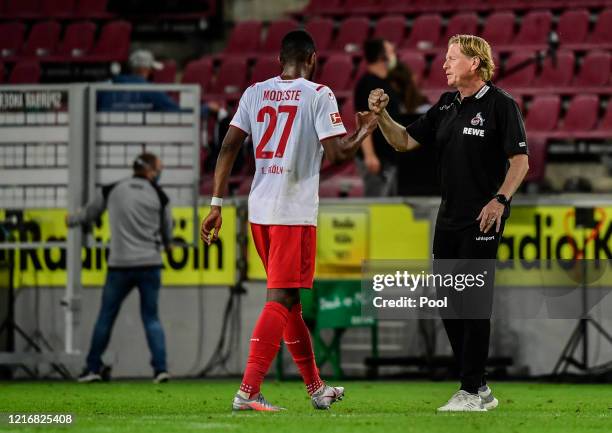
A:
(287, 120)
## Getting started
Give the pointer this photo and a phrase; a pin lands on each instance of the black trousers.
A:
(468, 323)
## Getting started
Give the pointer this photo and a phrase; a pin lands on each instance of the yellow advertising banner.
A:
(183, 266)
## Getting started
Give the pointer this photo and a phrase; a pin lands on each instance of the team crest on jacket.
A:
(477, 120)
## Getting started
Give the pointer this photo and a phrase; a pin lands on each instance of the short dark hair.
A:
(296, 47)
(374, 50)
(143, 162)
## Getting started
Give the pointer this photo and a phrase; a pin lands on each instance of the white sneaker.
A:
(488, 400)
(257, 403)
(326, 396)
(161, 377)
(463, 401)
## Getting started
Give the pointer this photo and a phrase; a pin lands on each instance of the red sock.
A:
(297, 339)
(265, 343)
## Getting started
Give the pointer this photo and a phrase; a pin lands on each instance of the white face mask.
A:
(392, 62)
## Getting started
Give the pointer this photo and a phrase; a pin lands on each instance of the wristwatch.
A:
(502, 199)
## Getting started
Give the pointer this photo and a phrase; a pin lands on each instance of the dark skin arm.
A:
(338, 149)
(227, 155)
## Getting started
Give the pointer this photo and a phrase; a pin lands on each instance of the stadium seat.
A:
(322, 30)
(336, 72)
(245, 37)
(167, 74)
(534, 30)
(347, 112)
(113, 42)
(43, 39)
(199, 72)
(25, 72)
(522, 78)
(606, 121)
(537, 159)
(573, 26)
(265, 68)
(78, 39)
(415, 61)
(92, 9)
(436, 78)
(499, 28)
(365, 6)
(58, 8)
(595, 70)
(425, 32)
(461, 24)
(581, 114)
(341, 186)
(353, 32)
(276, 31)
(12, 38)
(22, 8)
(231, 78)
(557, 76)
(543, 113)
(391, 28)
(322, 6)
(602, 33)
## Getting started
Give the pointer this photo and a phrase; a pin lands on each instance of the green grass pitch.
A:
(204, 405)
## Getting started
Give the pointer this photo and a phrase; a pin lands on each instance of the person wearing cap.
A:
(141, 64)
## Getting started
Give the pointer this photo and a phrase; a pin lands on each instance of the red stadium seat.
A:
(276, 31)
(543, 113)
(499, 28)
(537, 159)
(415, 61)
(58, 8)
(231, 78)
(461, 24)
(347, 112)
(22, 8)
(43, 39)
(167, 74)
(581, 114)
(522, 78)
(425, 32)
(353, 32)
(606, 121)
(602, 33)
(199, 72)
(78, 39)
(12, 38)
(345, 186)
(595, 70)
(321, 30)
(391, 28)
(92, 9)
(436, 79)
(113, 42)
(322, 6)
(535, 27)
(365, 6)
(573, 26)
(245, 37)
(265, 68)
(336, 72)
(559, 75)
(25, 72)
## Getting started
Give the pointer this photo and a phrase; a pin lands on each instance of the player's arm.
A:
(230, 147)
(395, 134)
(342, 149)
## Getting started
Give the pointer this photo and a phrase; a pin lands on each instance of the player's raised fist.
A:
(378, 100)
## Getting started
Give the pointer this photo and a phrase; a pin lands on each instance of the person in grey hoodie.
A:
(140, 225)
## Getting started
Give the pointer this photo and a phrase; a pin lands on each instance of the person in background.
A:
(141, 64)
(377, 161)
(140, 224)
